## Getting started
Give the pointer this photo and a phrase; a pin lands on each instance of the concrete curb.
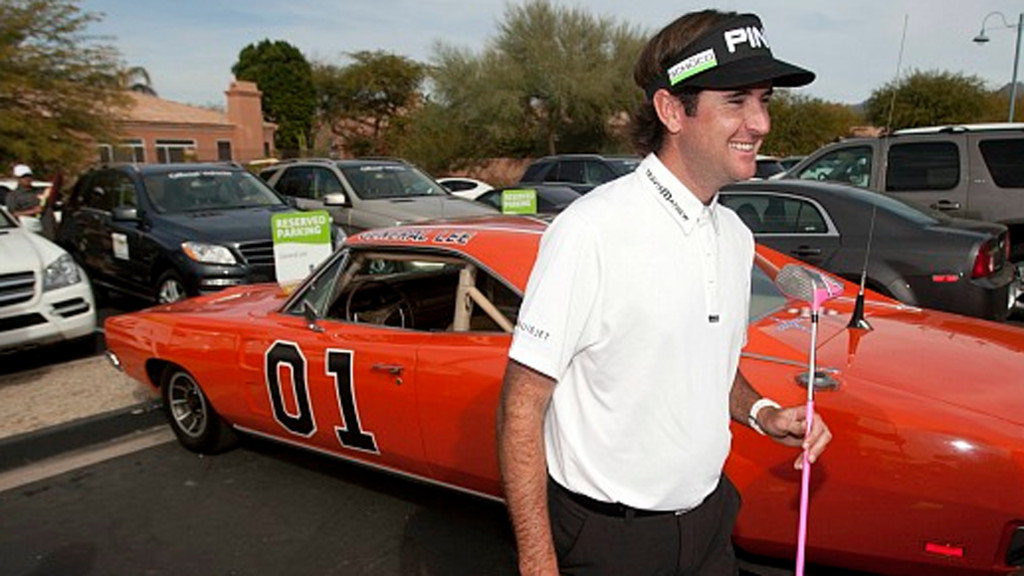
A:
(23, 449)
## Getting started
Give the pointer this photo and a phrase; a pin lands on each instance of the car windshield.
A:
(623, 166)
(207, 189)
(378, 181)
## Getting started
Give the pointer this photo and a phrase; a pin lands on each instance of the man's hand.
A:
(788, 426)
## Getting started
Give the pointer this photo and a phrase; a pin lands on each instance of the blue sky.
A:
(189, 46)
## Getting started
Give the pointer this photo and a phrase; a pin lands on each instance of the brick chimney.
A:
(245, 111)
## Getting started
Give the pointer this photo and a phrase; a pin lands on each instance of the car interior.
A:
(413, 291)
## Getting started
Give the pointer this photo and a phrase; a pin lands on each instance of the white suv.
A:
(44, 295)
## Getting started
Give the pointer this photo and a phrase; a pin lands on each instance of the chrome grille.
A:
(259, 253)
(16, 288)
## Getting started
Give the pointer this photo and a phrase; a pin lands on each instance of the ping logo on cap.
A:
(750, 35)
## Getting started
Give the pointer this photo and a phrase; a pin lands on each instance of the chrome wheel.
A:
(187, 405)
(171, 290)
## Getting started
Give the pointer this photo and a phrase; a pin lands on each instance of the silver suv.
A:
(972, 171)
(368, 193)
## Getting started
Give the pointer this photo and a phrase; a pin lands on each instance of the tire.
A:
(196, 424)
(170, 288)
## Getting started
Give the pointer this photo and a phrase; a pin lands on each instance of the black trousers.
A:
(599, 539)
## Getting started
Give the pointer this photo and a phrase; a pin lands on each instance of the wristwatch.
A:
(756, 409)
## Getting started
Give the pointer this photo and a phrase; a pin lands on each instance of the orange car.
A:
(392, 354)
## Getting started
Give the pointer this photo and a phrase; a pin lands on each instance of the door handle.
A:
(945, 205)
(393, 369)
(806, 251)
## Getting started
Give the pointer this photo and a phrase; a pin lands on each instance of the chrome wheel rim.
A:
(171, 291)
(187, 405)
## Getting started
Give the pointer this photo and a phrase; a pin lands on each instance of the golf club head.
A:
(802, 283)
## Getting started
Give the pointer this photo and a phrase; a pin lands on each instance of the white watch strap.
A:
(756, 409)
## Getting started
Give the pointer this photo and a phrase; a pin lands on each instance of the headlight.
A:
(208, 253)
(62, 272)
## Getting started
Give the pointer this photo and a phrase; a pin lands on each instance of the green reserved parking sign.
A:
(302, 240)
(519, 201)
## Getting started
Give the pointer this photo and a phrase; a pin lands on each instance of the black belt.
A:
(613, 509)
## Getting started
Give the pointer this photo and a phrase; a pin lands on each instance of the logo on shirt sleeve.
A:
(533, 331)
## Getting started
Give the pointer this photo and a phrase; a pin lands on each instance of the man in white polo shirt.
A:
(614, 420)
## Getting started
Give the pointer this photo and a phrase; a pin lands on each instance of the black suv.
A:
(581, 172)
(166, 231)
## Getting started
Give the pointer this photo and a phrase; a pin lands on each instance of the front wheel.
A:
(170, 288)
(193, 419)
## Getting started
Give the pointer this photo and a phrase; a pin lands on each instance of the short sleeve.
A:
(558, 317)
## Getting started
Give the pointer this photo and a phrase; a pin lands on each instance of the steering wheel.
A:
(389, 307)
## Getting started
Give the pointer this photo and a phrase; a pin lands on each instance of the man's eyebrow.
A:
(746, 91)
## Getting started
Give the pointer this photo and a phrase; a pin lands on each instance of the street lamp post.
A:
(981, 38)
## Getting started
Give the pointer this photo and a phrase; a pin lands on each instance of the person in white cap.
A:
(24, 202)
(613, 427)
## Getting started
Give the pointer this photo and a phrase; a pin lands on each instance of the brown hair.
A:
(645, 128)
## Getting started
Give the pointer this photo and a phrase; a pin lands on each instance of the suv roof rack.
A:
(981, 127)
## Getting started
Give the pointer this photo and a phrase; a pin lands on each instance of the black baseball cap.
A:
(733, 54)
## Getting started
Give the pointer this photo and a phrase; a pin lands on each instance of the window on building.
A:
(168, 151)
(130, 150)
(224, 150)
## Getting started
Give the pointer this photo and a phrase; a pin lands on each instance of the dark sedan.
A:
(919, 257)
(550, 199)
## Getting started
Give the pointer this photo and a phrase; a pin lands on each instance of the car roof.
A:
(508, 243)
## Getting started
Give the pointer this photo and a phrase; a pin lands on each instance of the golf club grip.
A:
(805, 482)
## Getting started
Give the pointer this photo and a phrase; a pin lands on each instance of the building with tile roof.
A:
(160, 131)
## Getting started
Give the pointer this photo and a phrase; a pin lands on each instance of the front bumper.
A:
(57, 315)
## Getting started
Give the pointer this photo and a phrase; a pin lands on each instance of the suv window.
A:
(1004, 161)
(569, 171)
(108, 189)
(535, 172)
(923, 166)
(847, 165)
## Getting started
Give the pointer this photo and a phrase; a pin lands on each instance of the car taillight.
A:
(990, 258)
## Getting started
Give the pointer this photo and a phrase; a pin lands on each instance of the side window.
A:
(412, 292)
(102, 193)
(1004, 161)
(598, 173)
(847, 165)
(922, 166)
(536, 172)
(297, 182)
(569, 171)
(123, 190)
(325, 182)
(765, 214)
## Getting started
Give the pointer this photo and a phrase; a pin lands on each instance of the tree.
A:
(553, 80)
(362, 103)
(801, 124)
(285, 77)
(929, 99)
(59, 87)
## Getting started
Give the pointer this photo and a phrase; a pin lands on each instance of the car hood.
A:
(960, 361)
(234, 225)
(419, 208)
(23, 251)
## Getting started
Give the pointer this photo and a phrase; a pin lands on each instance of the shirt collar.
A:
(680, 203)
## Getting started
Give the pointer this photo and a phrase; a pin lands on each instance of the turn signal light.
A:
(947, 550)
(988, 260)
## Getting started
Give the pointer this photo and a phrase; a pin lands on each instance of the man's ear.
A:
(669, 109)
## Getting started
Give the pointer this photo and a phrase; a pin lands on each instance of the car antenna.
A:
(857, 319)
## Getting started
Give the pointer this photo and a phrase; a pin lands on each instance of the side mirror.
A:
(335, 199)
(126, 214)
